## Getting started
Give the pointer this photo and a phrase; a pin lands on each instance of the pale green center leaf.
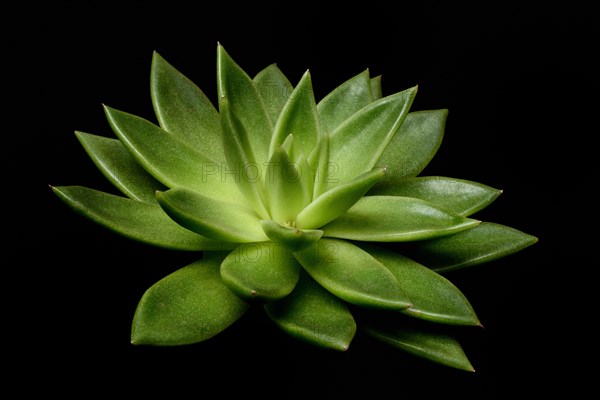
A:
(395, 219)
(293, 238)
(214, 219)
(274, 88)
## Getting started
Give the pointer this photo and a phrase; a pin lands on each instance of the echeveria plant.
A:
(292, 205)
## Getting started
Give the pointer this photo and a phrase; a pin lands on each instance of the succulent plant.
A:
(294, 206)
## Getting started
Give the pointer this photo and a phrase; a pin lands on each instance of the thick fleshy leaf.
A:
(352, 274)
(314, 315)
(188, 306)
(337, 201)
(431, 345)
(486, 242)
(324, 171)
(183, 110)
(395, 219)
(275, 90)
(415, 144)
(455, 195)
(376, 92)
(366, 134)
(119, 167)
(264, 271)
(292, 238)
(344, 101)
(299, 118)
(432, 296)
(214, 219)
(245, 104)
(144, 222)
(170, 160)
(285, 193)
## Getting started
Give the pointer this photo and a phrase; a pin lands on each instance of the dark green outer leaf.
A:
(188, 306)
(459, 196)
(376, 92)
(433, 346)
(432, 296)
(274, 88)
(215, 219)
(486, 242)
(415, 144)
(356, 145)
(299, 118)
(344, 101)
(183, 110)
(136, 220)
(170, 160)
(395, 219)
(352, 274)
(119, 167)
(313, 314)
(264, 271)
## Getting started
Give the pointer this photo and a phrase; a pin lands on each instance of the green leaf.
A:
(395, 219)
(286, 195)
(214, 219)
(415, 144)
(314, 315)
(486, 242)
(337, 201)
(264, 271)
(275, 90)
(352, 274)
(293, 238)
(183, 110)
(455, 195)
(299, 118)
(119, 167)
(144, 222)
(318, 162)
(188, 306)
(170, 160)
(376, 92)
(431, 345)
(344, 101)
(432, 296)
(366, 134)
(245, 104)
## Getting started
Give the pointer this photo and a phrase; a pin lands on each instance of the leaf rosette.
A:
(292, 204)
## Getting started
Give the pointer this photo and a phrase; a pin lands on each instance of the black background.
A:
(520, 84)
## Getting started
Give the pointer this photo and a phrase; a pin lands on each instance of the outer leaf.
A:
(299, 118)
(215, 219)
(119, 167)
(415, 144)
(264, 271)
(344, 101)
(395, 219)
(486, 242)
(183, 110)
(433, 346)
(275, 90)
(292, 238)
(238, 91)
(366, 134)
(352, 274)
(170, 160)
(376, 88)
(313, 314)
(188, 306)
(337, 201)
(136, 220)
(455, 195)
(432, 296)
(285, 193)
